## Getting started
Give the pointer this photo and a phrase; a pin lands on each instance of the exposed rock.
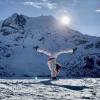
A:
(89, 46)
(97, 45)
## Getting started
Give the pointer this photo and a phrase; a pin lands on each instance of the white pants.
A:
(54, 73)
(52, 67)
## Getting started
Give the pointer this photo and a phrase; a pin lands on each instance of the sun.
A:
(65, 20)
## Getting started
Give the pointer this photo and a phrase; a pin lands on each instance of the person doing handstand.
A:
(53, 65)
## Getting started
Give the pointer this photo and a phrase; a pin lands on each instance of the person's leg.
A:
(58, 67)
(57, 72)
(53, 74)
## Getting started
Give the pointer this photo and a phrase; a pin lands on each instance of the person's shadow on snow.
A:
(76, 88)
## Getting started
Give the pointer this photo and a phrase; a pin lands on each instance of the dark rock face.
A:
(41, 39)
(97, 45)
(80, 42)
(92, 66)
(20, 20)
(98, 62)
(8, 55)
(13, 24)
(5, 51)
(89, 63)
(36, 47)
(88, 66)
(15, 19)
(89, 46)
(7, 32)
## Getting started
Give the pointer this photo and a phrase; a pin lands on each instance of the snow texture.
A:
(46, 89)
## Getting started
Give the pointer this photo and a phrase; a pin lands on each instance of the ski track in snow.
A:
(46, 89)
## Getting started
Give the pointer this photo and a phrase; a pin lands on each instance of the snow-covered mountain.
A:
(20, 36)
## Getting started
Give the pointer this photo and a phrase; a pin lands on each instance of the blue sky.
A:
(84, 14)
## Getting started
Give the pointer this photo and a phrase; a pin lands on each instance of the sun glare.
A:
(65, 20)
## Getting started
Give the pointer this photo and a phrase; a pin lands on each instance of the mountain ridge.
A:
(20, 36)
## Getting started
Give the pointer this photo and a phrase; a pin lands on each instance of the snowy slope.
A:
(45, 89)
(20, 36)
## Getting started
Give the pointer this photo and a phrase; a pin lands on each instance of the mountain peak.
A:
(15, 15)
(15, 20)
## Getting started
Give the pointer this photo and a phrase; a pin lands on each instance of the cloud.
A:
(98, 10)
(36, 5)
(50, 5)
(41, 4)
(44, 0)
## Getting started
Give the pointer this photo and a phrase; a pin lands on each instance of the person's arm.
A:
(64, 51)
(44, 52)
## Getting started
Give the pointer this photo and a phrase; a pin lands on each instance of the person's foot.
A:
(54, 78)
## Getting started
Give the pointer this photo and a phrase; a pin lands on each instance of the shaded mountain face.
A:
(21, 36)
(15, 21)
